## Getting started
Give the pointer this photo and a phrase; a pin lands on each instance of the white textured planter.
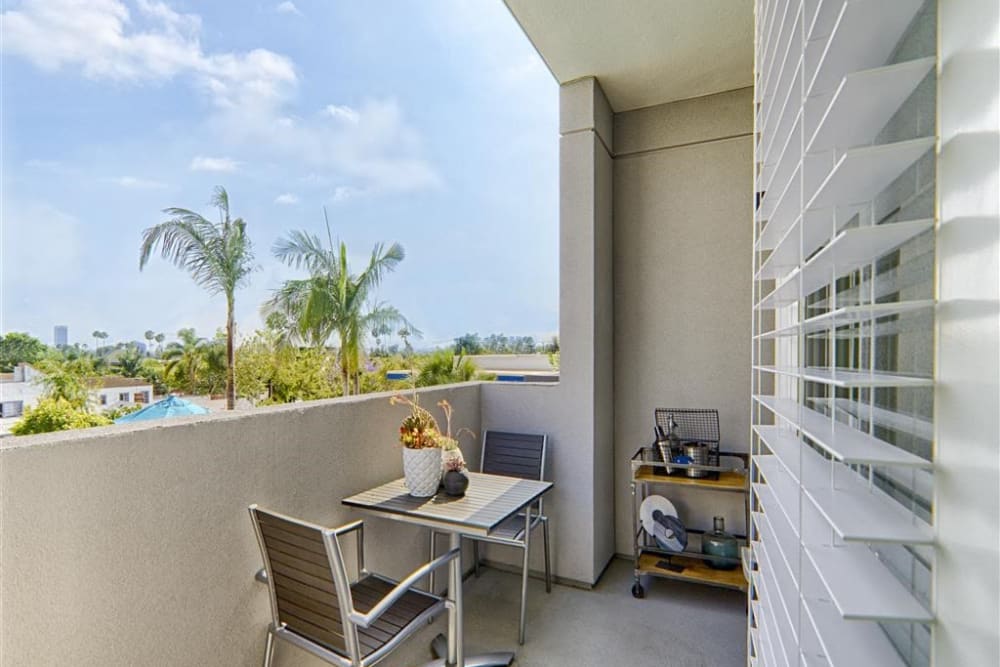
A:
(422, 470)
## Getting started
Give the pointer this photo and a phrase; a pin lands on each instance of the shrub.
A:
(56, 414)
(122, 410)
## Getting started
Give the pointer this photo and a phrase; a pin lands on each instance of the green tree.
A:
(70, 380)
(129, 362)
(153, 372)
(219, 258)
(17, 348)
(470, 343)
(332, 300)
(212, 375)
(56, 414)
(268, 371)
(444, 367)
(183, 360)
(99, 336)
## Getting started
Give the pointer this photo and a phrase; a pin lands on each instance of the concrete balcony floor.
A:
(676, 625)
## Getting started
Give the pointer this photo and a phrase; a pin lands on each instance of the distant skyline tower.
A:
(60, 335)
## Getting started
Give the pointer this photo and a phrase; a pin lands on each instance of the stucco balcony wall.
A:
(132, 545)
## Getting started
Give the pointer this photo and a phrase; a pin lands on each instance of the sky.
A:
(432, 123)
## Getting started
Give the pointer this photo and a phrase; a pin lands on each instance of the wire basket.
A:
(693, 424)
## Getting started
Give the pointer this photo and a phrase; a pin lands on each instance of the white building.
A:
(25, 386)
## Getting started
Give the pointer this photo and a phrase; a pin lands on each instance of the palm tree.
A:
(332, 300)
(159, 338)
(149, 335)
(98, 336)
(219, 257)
(129, 362)
(185, 358)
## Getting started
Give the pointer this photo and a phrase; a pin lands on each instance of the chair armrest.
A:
(393, 596)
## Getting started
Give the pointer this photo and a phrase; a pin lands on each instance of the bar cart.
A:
(719, 471)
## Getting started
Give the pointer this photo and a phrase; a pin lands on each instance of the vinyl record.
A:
(659, 519)
(649, 505)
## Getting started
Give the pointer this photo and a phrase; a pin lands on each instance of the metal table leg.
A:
(440, 644)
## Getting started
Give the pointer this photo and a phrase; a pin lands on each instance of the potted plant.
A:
(456, 481)
(420, 437)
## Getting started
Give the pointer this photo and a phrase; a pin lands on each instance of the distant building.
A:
(25, 386)
(60, 335)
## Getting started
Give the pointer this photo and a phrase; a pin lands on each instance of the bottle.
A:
(721, 544)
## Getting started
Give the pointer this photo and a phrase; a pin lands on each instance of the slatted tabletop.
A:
(489, 500)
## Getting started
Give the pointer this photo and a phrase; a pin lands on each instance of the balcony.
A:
(131, 544)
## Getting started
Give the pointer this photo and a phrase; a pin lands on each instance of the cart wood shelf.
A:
(727, 481)
(695, 570)
(648, 470)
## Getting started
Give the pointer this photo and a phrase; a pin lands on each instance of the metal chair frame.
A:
(523, 542)
(352, 619)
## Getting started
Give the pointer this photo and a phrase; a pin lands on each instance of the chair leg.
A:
(430, 557)
(545, 544)
(269, 649)
(475, 556)
(524, 594)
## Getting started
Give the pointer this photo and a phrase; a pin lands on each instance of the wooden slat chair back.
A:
(514, 454)
(306, 596)
(316, 606)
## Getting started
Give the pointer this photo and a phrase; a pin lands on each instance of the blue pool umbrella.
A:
(171, 406)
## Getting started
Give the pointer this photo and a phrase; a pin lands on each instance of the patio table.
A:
(489, 501)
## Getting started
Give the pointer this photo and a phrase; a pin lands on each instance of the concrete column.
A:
(586, 317)
(967, 400)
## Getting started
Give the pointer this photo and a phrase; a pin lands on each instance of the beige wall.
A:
(577, 413)
(682, 251)
(133, 546)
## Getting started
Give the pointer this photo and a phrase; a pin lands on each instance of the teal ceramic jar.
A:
(721, 544)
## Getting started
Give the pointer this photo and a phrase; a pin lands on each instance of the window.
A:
(104, 399)
(11, 408)
(843, 389)
(124, 397)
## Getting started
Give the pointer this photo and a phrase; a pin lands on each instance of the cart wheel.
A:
(637, 591)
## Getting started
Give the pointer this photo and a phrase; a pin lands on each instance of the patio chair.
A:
(514, 455)
(318, 608)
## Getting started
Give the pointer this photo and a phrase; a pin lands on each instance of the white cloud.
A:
(108, 42)
(369, 148)
(345, 192)
(138, 183)
(344, 113)
(288, 7)
(287, 198)
(202, 163)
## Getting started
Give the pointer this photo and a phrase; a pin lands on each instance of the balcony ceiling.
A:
(644, 52)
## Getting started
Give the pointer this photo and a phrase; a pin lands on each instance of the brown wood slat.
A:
(315, 546)
(318, 604)
(325, 595)
(373, 589)
(292, 551)
(306, 532)
(318, 571)
(279, 569)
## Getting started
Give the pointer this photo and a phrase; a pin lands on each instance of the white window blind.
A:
(843, 378)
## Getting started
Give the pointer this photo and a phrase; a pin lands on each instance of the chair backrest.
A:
(308, 583)
(514, 454)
